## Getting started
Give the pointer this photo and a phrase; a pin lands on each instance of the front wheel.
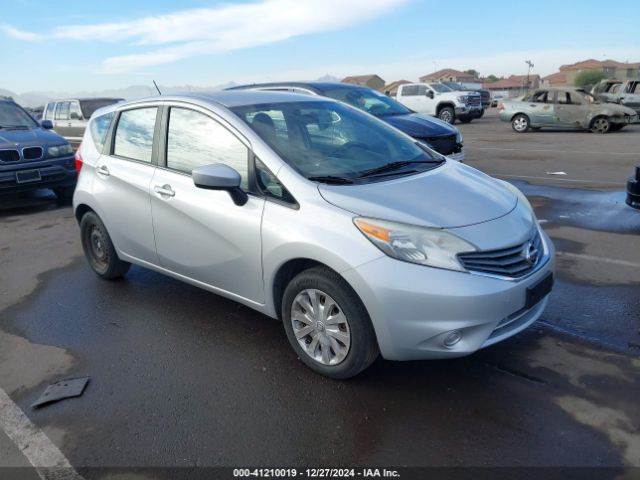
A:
(520, 123)
(99, 250)
(447, 114)
(327, 324)
(600, 125)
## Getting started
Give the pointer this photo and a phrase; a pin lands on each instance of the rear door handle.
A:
(103, 170)
(164, 190)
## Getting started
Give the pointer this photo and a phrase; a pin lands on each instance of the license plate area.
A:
(538, 291)
(27, 176)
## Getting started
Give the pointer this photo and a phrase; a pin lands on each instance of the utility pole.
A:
(530, 64)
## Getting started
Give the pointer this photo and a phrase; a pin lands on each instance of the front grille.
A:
(474, 100)
(9, 155)
(513, 262)
(446, 144)
(32, 153)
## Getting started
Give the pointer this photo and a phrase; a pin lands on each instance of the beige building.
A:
(611, 69)
(449, 75)
(371, 81)
(392, 88)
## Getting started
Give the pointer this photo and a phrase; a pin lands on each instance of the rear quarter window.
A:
(99, 127)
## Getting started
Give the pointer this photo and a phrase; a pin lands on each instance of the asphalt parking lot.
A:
(183, 378)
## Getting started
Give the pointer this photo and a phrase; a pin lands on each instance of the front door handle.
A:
(164, 190)
(103, 170)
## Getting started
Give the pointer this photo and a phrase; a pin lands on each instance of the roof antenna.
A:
(156, 85)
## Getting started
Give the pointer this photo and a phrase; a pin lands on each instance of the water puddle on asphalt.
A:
(590, 209)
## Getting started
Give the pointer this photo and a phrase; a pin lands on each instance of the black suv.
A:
(32, 156)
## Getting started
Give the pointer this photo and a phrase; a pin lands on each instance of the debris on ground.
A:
(67, 388)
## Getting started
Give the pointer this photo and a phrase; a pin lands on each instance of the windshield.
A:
(332, 142)
(455, 86)
(370, 101)
(12, 116)
(90, 106)
(440, 88)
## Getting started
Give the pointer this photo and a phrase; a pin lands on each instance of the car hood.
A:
(420, 126)
(452, 195)
(28, 137)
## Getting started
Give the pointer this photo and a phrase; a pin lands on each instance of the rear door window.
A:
(134, 134)
(48, 115)
(62, 112)
(74, 111)
(410, 90)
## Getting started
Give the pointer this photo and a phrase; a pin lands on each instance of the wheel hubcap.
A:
(98, 247)
(520, 123)
(601, 125)
(320, 327)
(446, 116)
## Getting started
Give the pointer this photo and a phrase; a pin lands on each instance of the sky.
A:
(74, 45)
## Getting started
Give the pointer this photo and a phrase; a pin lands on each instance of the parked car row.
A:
(626, 93)
(360, 239)
(439, 100)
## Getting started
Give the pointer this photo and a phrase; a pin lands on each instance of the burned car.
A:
(565, 108)
(625, 93)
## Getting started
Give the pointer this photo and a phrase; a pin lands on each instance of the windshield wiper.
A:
(390, 167)
(14, 126)
(332, 179)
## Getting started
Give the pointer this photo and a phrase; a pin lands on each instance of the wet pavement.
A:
(182, 377)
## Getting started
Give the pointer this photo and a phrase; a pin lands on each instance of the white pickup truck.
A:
(440, 101)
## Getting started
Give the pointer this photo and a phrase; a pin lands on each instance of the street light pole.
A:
(528, 62)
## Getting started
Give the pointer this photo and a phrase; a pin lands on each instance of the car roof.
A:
(318, 86)
(83, 99)
(228, 99)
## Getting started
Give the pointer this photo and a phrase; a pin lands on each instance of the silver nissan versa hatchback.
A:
(362, 241)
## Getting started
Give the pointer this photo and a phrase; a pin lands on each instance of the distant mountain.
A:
(328, 78)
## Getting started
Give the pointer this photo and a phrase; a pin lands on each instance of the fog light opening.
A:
(452, 338)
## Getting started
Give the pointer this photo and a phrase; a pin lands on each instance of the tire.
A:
(465, 119)
(481, 114)
(344, 349)
(64, 193)
(600, 125)
(99, 250)
(520, 123)
(447, 114)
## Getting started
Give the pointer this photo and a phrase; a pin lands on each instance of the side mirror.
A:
(430, 93)
(46, 124)
(74, 116)
(220, 177)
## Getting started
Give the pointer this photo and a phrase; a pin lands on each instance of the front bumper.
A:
(465, 110)
(53, 173)
(413, 307)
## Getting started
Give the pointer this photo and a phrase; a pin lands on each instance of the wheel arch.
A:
(81, 210)
(444, 104)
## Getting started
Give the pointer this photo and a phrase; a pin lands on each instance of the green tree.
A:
(491, 78)
(473, 72)
(588, 78)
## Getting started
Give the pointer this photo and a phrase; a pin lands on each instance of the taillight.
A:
(78, 159)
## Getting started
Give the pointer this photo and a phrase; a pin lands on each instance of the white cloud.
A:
(204, 31)
(19, 34)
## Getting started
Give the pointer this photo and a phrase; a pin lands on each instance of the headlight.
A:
(425, 246)
(459, 138)
(463, 99)
(60, 150)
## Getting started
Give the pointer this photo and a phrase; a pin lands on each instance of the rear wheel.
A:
(99, 250)
(447, 114)
(481, 113)
(600, 125)
(520, 123)
(327, 324)
(64, 193)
